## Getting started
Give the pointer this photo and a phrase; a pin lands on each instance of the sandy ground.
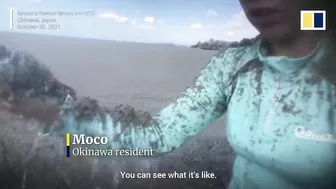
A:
(142, 75)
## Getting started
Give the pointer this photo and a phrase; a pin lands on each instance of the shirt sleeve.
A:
(199, 105)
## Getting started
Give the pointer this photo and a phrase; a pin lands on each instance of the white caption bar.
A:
(11, 19)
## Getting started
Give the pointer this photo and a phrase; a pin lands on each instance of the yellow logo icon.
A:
(313, 20)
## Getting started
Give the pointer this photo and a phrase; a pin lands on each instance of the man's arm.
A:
(198, 106)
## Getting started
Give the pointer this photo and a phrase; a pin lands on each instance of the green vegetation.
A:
(212, 44)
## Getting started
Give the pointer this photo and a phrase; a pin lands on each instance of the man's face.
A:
(274, 19)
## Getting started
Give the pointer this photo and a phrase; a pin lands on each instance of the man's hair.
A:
(329, 7)
(328, 66)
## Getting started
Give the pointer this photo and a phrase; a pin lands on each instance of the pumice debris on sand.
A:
(36, 93)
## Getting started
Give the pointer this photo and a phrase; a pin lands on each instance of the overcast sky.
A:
(154, 21)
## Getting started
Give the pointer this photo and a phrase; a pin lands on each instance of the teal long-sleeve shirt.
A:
(280, 117)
